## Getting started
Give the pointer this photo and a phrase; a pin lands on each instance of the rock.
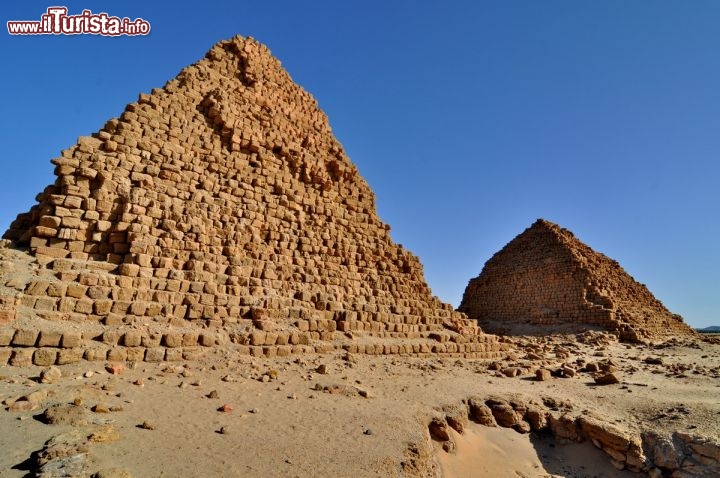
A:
(543, 375)
(23, 406)
(365, 393)
(522, 427)
(512, 371)
(504, 413)
(213, 394)
(592, 367)
(537, 417)
(146, 425)
(654, 361)
(322, 369)
(64, 455)
(50, 375)
(564, 426)
(449, 446)
(481, 413)
(568, 372)
(607, 378)
(224, 430)
(65, 414)
(100, 408)
(115, 368)
(104, 434)
(655, 473)
(439, 429)
(456, 417)
(112, 473)
(368, 431)
(226, 408)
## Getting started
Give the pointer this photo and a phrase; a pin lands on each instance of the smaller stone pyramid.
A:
(547, 281)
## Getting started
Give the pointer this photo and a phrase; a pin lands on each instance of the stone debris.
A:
(606, 378)
(547, 281)
(147, 425)
(50, 375)
(677, 455)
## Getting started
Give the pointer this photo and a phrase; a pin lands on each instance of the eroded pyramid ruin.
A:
(217, 210)
(546, 280)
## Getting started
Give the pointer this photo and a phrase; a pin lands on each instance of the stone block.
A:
(5, 354)
(49, 338)
(6, 336)
(96, 354)
(117, 354)
(132, 338)
(135, 354)
(25, 338)
(173, 339)
(66, 356)
(155, 354)
(22, 357)
(71, 339)
(45, 357)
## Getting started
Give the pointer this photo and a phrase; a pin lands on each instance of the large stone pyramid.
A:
(546, 280)
(218, 210)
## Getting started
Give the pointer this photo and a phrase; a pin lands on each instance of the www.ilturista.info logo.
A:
(57, 22)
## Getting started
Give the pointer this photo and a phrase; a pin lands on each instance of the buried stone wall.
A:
(222, 201)
(546, 280)
(653, 454)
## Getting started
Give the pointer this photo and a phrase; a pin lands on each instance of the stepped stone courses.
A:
(219, 210)
(546, 280)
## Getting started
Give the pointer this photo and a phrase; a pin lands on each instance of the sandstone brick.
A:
(49, 338)
(96, 354)
(132, 338)
(22, 357)
(25, 338)
(117, 354)
(151, 340)
(155, 354)
(5, 354)
(45, 357)
(135, 354)
(173, 339)
(71, 339)
(6, 336)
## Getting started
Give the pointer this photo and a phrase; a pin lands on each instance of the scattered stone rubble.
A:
(218, 210)
(547, 281)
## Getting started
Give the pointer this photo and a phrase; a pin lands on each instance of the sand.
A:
(366, 416)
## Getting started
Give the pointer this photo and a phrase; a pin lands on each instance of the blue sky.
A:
(469, 120)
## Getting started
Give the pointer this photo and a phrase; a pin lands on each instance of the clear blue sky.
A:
(469, 120)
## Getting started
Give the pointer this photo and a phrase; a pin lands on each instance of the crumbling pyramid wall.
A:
(546, 280)
(220, 209)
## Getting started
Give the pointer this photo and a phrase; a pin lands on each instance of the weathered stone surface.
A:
(607, 378)
(439, 429)
(481, 413)
(65, 414)
(50, 375)
(547, 280)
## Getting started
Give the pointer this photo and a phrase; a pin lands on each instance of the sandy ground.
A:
(354, 416)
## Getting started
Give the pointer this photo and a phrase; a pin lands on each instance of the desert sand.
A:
(346, 415)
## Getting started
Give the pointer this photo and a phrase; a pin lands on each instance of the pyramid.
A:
(218, 210)
(546, 280)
